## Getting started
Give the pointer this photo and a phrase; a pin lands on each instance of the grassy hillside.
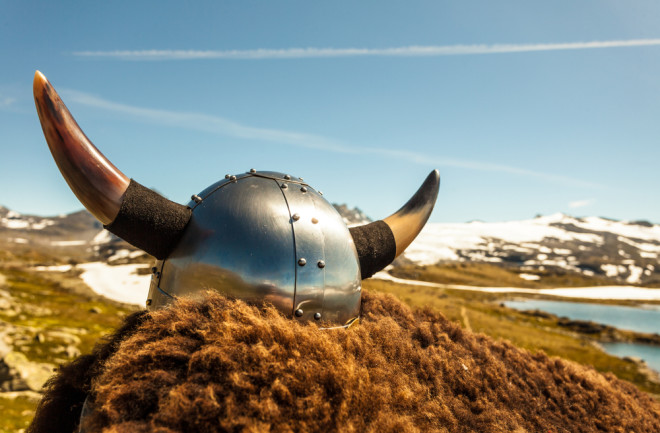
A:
(51, 324)
(487, 275)
(51, 321)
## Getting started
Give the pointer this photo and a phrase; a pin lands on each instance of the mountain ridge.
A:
(626, 252)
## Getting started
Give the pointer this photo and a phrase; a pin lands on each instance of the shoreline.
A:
(593, 293)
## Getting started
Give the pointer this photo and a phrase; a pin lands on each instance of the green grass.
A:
(16, 413)
(46, 306)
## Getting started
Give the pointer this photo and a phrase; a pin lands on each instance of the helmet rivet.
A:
(301, 179)
(314, 221)
(295, 217)
(252, 170)
(287, 177)
(226, 176)
(303, 189)
(285, 186)
(320, 192)
(321, 264)
(302, 261)
(195, 198)
(232, 178)
(299, 312)
(317, 316)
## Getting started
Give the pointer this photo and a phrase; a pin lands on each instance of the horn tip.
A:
(434, 176)
(39, 82)
(432, 183)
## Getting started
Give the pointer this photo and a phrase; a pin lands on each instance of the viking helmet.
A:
(257, 236)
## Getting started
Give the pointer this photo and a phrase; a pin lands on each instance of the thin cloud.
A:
(207, 123)
(581, 203)
(222, 126)
(6, 102)
(409, 51)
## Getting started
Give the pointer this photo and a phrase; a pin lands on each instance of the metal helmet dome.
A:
(257, 236)
(265, 236)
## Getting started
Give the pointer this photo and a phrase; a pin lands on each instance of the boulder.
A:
(17, 373)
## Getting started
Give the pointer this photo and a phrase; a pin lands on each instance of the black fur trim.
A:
(149, 221)
(375, 246)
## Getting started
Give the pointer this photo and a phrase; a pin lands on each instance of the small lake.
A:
(644, 319)
(650, 354)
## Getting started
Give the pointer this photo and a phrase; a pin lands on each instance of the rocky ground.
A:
(43, 323)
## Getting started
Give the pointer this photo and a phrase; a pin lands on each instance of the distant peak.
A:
(554, 218)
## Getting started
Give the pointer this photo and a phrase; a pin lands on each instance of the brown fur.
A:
(221, 365)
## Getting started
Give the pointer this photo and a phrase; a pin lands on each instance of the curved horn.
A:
(97, 183)
(407, 222)
(380, 242)
(136, 214)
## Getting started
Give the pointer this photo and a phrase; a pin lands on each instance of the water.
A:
(650, 354)
(646, 319)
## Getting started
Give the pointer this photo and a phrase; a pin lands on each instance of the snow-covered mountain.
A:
(625, 251)
(76, 235)
(79, 236)
(353, 216)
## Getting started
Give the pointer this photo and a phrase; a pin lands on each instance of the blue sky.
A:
(525, 107)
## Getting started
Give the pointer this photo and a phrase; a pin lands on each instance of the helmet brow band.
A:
(375, 246)
(149, 221)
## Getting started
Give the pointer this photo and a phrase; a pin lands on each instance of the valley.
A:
(65, 283)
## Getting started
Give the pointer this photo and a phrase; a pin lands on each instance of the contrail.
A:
(410, 51)
(227, 127)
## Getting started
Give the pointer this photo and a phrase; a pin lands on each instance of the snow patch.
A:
(529, 277)
(635, 274)
(68, 243)
(15, 223)
(612, 270)
(14, 220)
(622, 228)
(57, 268)
(42, 224)
(103, 237)
(120, 283)
(122, 254)
(430, 257)
(478, 235)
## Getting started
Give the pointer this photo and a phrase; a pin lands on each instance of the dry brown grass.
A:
(484, 274)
